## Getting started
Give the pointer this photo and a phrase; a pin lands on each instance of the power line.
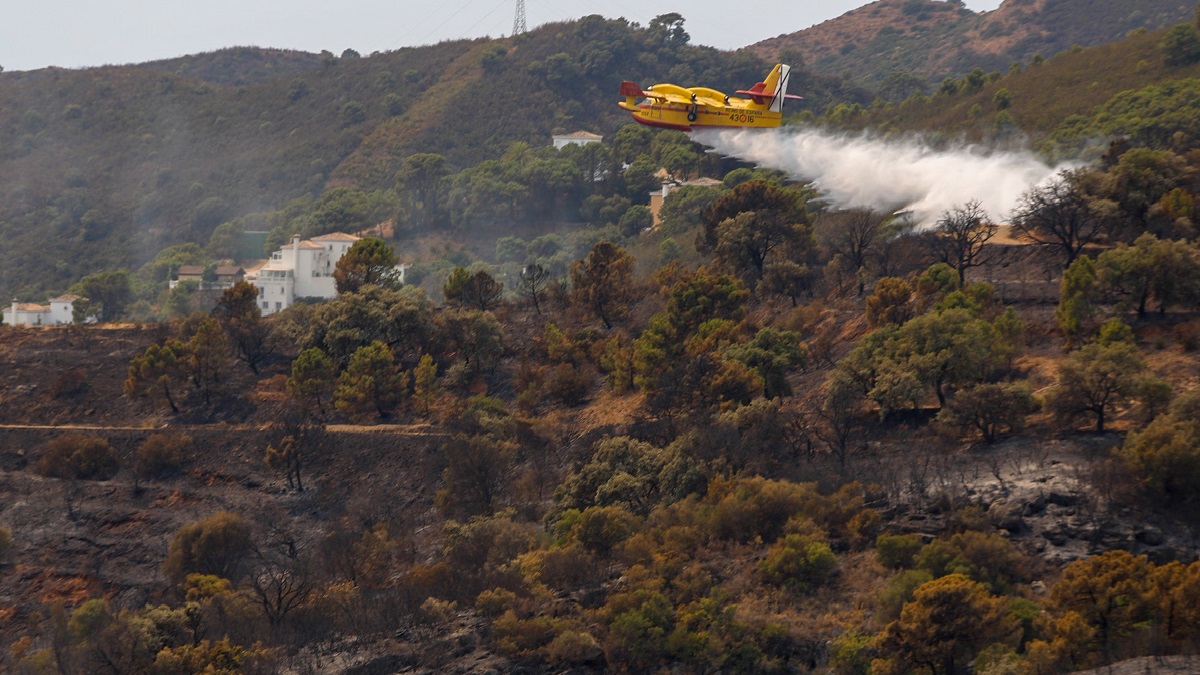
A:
(483, 18)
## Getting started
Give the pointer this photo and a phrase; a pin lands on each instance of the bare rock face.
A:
(1008, 515)
(1039, 494)
(1150, 665)
(383, 665)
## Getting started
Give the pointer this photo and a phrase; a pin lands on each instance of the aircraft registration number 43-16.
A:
(675, 107)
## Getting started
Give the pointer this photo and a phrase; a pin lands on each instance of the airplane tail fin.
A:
(773, 90)
(777, 83)
(631, 91)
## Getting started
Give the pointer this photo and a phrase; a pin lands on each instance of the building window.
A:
(278, 306)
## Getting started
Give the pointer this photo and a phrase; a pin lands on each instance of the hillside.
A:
(599, 503)
(240, 65)
(762, 434)
(1078, 98)
(111, 165)
(114, 164)
(932, 39)
(765, 436)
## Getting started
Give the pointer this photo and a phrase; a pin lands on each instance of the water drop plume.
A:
(889, 175)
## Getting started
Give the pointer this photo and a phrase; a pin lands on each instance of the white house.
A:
(301, 269)
(575, 138)
(61, 310)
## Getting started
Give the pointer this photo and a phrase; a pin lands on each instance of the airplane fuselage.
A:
(685, 108)
(685, 117)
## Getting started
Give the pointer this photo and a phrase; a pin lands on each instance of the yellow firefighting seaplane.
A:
(675, 107)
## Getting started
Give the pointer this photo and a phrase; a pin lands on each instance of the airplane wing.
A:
(675, 98)
(632, 89)
(686, 97)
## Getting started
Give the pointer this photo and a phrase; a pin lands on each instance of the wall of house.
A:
(61, 312)
(276, 289)
(24, 317)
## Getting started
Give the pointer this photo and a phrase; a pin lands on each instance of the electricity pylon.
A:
(519, 22)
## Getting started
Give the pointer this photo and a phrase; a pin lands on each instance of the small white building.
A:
(301, 269)
(61, 310)
(575, 138)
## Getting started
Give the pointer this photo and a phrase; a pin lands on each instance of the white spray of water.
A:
(906, 175)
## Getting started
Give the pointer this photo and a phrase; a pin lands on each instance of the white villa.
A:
(302, 269)
(61, 310)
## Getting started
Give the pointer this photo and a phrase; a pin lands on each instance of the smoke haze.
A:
(906, 175)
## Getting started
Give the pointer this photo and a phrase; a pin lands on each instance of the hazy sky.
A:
(80, 33)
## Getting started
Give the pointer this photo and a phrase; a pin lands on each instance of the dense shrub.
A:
(78, 457)
(1165, 457)
(897, 551)
(900, 590)
(515, 635)
(160, 455)
(569, 383)
(478, 556)
(69, 383)
(1181, 45)
(851, 653)
(572, 646)
(983, 557)
(755, 507)
(601, 528)
(640, 621)
(632, 474)
(799, 563)
(561, 569)
(494, 602)
(212, 657)
(947, 622)
(990, 408)
(217, 545)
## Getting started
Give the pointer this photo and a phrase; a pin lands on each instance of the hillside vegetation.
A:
(895, 44)
(1064, 106)
(114, 164)
(241, 65)
(797, 447)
